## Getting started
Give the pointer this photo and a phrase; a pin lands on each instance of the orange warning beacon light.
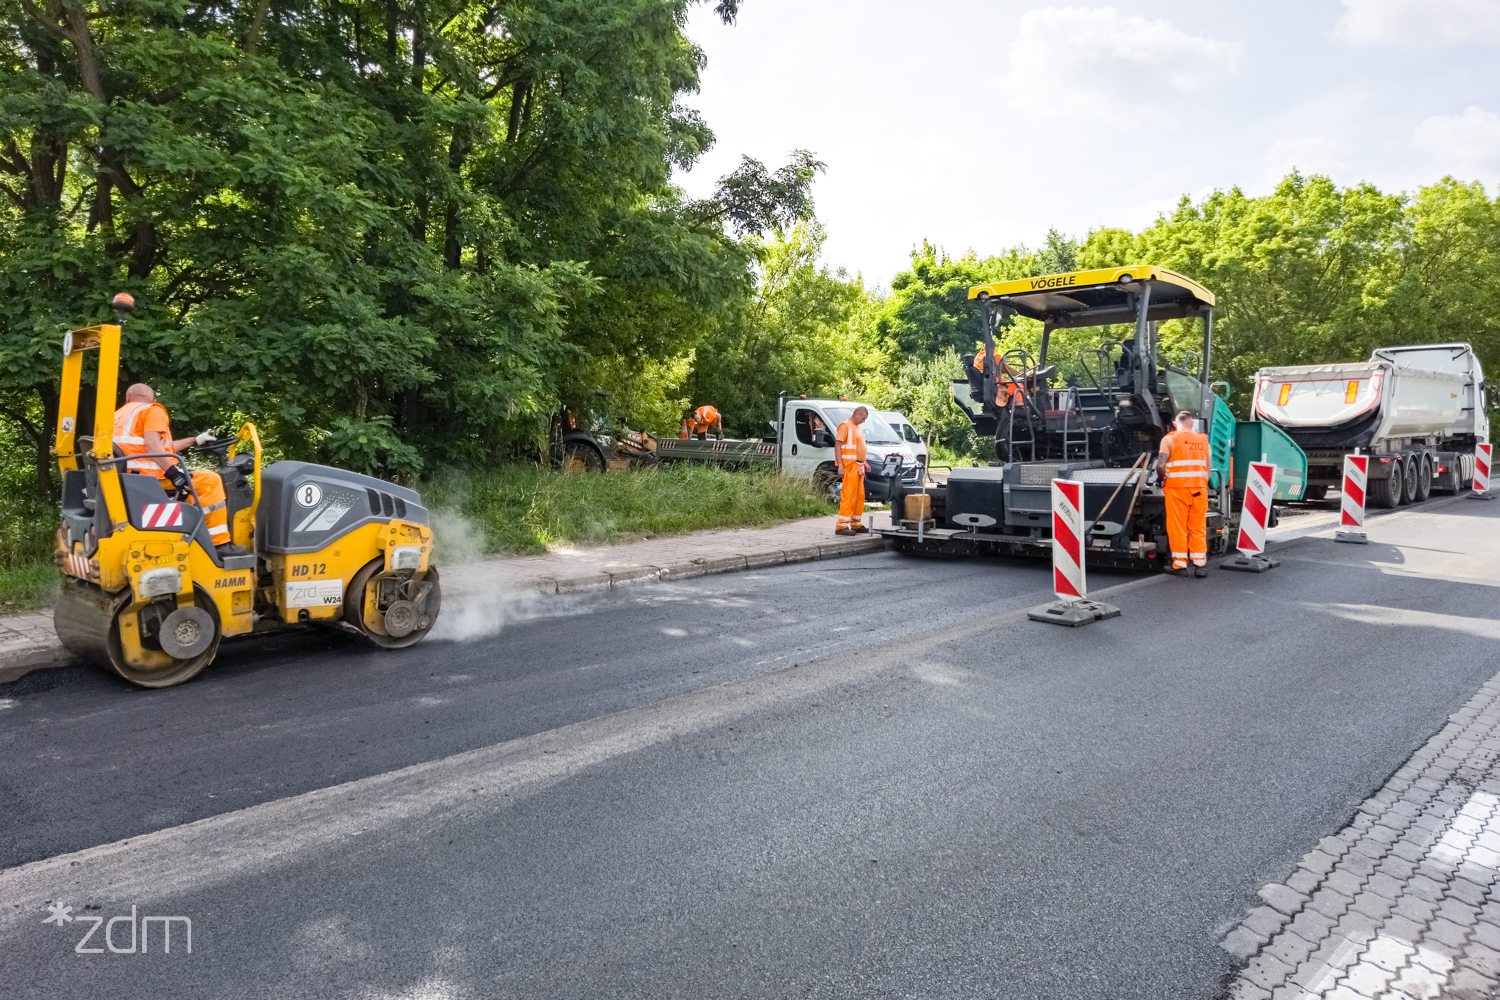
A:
(123, 302)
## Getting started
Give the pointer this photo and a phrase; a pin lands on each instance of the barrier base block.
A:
(1481, 496)
(1250, 564)
(1348, 535)
(1073, 613)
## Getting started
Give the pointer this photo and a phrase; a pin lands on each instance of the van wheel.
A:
(1387, 493)
(826, 483)
(1424, 478)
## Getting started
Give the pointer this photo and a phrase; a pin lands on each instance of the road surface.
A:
(864, 778)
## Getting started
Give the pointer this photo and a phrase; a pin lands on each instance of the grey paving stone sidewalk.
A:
(1403, 903)
(473, 591)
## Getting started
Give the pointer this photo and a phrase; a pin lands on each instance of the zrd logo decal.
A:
(308, 494)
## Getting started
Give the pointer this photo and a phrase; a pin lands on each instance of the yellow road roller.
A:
(146, 594)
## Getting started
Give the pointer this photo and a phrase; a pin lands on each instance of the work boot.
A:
(1200, 570)
(861, 530)
(844, 531)
(1178, 572)
(231, 549)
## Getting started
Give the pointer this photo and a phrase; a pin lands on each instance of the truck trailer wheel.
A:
(1424, 478)
(1409, 482)
(1387, 493)
(1315, 493)
(1451, 480)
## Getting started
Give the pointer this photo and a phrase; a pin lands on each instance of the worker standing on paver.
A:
(1182, 469)
(700, 422)
(850, 455)
(143, 428)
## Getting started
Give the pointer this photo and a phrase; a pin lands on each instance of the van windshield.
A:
(876, 431)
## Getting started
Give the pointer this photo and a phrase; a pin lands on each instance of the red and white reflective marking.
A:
(76, 564)
(161, 515)
(1482, 468)
(1259, 491)
(1356, 476)
(1067, 540)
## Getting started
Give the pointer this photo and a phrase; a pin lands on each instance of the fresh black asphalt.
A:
(1030, 811)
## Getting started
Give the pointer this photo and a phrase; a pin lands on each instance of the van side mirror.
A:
(822, 439)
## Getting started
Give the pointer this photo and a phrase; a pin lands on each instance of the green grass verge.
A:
(523, 510)
(28, 587)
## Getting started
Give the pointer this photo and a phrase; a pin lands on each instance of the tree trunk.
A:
(48, 393)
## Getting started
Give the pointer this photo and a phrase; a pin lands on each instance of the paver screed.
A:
(1403, 903)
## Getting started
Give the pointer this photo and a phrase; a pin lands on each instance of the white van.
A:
(902, 426)
(806, 443)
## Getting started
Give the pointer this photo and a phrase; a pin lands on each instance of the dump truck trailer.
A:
(1417, 411)
(1103, 430)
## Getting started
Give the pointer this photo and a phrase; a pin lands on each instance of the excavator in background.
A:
(1103, 430)
(147, 595)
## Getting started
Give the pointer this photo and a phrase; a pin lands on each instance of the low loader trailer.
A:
(1102, 431)
(1417, 411)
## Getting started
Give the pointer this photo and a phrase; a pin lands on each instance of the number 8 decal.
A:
(308, 494)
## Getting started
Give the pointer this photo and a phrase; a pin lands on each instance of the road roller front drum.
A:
(90, 623)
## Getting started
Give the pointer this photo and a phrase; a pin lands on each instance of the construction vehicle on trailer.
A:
(146, 594)
(1103, 431)
(1417, 411)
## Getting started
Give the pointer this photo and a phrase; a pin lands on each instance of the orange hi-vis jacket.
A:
(132, 421)
(1006, 388)
(1187, 460)
(704, 417)
(851, 442)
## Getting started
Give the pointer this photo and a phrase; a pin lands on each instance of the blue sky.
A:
(982, 124)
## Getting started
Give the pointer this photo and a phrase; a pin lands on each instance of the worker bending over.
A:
(850, 456)
(143, 428)
(1182, 468)
(1007, 382)
(700, 422)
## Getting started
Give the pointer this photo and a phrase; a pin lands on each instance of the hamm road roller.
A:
(146, 594)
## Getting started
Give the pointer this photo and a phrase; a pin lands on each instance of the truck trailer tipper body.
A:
(1416, 411)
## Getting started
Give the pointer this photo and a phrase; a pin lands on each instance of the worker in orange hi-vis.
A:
(1182, 468)
(850, 456)
(143, 428)
(1007, 382)
(700, 422)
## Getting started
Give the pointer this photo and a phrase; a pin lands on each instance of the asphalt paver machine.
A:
(146, 594)
(1102, 426)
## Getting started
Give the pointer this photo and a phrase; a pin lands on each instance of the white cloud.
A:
(1074, 63)
(1466, 144)
(1423, 22)
(1311, 154)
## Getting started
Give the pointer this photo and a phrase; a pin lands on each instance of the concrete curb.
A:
(24, 655)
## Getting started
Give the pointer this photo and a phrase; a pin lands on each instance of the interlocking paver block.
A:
(1311, 925)
(1481, 958)
(1446, 931)
(1242, 942)
(1264, 921)
(1462, 889)
(1389, 953)
(1291, 949)
(1343, 882)
(1372, 905)
(1303, 881)
(1316, 976)
(1246, 990)
(1367, 979)
(1425, 888)
(1330, 903)
(1407, 851)
(1487, 934)
(1383, 885)
(1282, 898)
(1291, 991)
(1361, 865)
(1333, 846)
(1318, 862)
(1458, 911)
(1267, 971)
(1467, 984)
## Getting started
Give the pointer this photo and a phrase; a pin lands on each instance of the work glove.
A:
(205, 437)
(178, 477)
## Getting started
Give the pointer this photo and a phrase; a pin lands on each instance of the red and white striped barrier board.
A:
(1260, 489)
(161, 515)
(1482, 468)
(1067, 540)
(1356, 477)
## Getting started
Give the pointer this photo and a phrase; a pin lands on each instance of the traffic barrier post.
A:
(1070, 540)
(1482, 454)
(1352, 502)
(1255, 514)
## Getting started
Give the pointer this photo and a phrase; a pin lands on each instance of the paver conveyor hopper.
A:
(145, 593)
(1102, 429)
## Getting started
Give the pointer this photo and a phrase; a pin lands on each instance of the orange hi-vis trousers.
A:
(1187, 525)
(852, 498)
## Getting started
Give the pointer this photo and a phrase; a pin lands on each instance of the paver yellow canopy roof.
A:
(1105, 295)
